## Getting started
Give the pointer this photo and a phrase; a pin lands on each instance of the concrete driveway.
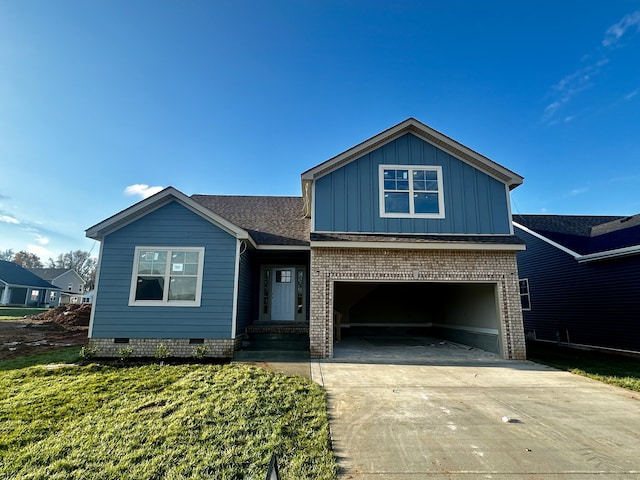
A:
(418, 408)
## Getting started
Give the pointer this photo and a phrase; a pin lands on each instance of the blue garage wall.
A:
(169, 226)
(347, 199)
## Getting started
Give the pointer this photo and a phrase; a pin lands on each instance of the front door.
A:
(283, 292)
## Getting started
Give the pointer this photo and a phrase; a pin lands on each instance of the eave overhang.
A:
(160, 199)
(591, 257)
(418, 246)
(426, 133)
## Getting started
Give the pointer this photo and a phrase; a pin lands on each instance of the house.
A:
(407, 230)
(67, 279)
(20, 287)
(86, 298)
(579, 279)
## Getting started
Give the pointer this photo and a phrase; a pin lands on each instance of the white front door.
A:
(283, 289)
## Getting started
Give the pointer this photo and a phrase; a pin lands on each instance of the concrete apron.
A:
(425, 409)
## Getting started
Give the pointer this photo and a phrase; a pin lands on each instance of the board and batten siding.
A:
(169, 226)
(347, 199)
(594, 303)
(245, 292)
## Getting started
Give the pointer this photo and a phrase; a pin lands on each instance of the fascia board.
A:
(427, 134)
(34, 287)
(417, 246)
(297, 248)
(618, 252)
(142, 208)
(591, 257)
(575, 255)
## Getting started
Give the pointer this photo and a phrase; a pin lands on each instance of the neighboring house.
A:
(20, 287)
(580, 279)
(408, 229)
(68, 280)
(86, 299)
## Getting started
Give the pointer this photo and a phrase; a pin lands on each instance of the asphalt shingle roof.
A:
(585, 234)
(280, 221)
(269, 220)
(48, 274)
(492, 239)
(13, 274)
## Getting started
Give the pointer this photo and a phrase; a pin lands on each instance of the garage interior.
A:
(465, 313)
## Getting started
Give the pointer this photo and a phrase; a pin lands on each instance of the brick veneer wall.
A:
(179, 347)
(329, 265)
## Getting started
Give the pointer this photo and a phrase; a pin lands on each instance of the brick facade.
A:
(329, 265)
(178, 347)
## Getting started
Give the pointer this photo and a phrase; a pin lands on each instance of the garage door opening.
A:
(465, 313)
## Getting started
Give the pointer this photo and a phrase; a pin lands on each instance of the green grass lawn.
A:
(150, 422)
(11, 313)
(614, 369)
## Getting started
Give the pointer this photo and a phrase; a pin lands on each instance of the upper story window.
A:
(167, 276)
(411, 191)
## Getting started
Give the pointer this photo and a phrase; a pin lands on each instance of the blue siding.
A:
(347, 200)
(592, 303)
(170, 225)
(245, 290)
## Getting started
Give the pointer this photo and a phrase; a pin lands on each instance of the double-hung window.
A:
(525, 298)
(167, 276)
(411, 191)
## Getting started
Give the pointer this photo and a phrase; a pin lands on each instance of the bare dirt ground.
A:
(63, 326)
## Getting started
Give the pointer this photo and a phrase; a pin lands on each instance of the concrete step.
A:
(299, 328)
(275, 342)
(272, 356)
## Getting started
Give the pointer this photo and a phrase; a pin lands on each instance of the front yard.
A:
(612, 368)
(151, 422)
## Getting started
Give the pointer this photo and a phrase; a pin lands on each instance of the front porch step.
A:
(298, 328)
(271, 356)
(273, 347)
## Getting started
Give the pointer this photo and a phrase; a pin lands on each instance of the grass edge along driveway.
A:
(170, 422)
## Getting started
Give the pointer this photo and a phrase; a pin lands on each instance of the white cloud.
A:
(39, 250)
(614, 32)
(583, 78)
(42, 240)
(576, 191)
(629, 96)
(141, 190)
(569, 86)
(8, 219)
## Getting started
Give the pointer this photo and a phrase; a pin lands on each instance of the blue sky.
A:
(103, 102)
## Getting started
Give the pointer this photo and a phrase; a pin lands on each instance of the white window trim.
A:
(165, 303)
(432, 168)
(528, 294)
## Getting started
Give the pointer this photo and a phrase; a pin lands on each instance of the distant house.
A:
(580, 279)
(406, 230)
(20, 287)
(71, 284)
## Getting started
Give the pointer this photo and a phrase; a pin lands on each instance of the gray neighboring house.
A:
(71, 284)
(21, 288)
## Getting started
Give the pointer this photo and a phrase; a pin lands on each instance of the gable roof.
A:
(148, 205)
(13, 274)
(50, 274)
(270, 221)
(586, 237)
(426, 133)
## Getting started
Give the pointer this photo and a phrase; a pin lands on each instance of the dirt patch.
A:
(63, 326)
